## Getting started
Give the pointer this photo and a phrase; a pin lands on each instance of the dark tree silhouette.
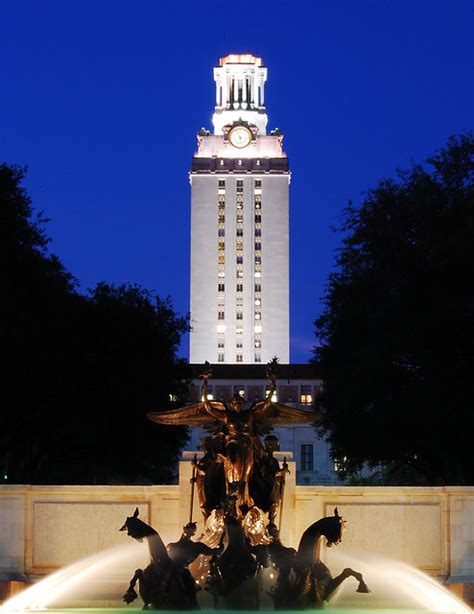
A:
(79, 372)
(397, 333)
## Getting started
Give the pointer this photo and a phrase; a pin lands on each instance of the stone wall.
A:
(45, 527)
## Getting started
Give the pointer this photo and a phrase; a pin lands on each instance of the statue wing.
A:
(277, 414)
(190, 415)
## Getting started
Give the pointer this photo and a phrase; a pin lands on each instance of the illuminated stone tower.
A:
(239, 226)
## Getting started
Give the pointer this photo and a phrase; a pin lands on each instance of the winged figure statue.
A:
(236, 462)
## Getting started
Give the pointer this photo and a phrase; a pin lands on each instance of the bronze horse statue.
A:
(232, 573)
(165, 584)
(313, 583)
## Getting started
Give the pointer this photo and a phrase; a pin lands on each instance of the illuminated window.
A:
(240, 390)
(221, 246)
(257, 316)
(240, 204)
(274, 395)
(221, 274)
(221, 259)
(258, 302)
(240, 274)
(221, 328)
(257, 343)
(307, 457)
(239, 245)
(306, 397)
(257, 328)
(240, 218)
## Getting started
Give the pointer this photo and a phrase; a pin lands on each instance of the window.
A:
(258, 259)
(240, 204)
(240, 390)
(221, 259)
(222, 183)
(306, 457)
(257, 343)
(221, 232)
(220, 345)
(240, 274)
(239, 245)
(258, 358)
(240, 185)
(220, 357)
(258, 183)
(240, 287)
(258, 287)
(258, 204)
(240, 259)
(239, 358)
(220, 315)
(240, 232)
(258, 219)
(240, 315)
(258, 232)
(240, 218)
(221, 246)
(221, 218)
(257, 316)
(258, 246)
(220, 287)
(306, 397)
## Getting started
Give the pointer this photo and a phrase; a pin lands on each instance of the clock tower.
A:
(239, 225)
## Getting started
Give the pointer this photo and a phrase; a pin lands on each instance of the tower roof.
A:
(240, 58)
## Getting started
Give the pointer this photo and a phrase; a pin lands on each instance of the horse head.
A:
(331, 527)
(136, 528)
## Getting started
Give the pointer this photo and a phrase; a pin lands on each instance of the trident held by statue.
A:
(193, 482)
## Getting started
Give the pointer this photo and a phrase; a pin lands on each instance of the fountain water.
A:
(97, 582)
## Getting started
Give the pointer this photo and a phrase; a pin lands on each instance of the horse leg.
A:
(338, 580)
(131, 593)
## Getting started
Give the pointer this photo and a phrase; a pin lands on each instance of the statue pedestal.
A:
(288, 528)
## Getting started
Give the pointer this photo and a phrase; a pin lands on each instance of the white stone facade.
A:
(239, 227)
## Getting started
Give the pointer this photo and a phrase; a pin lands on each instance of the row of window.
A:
(220, 270)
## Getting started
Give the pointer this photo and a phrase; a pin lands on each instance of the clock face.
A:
(240, 136)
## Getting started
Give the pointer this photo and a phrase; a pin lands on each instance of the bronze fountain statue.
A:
(240, 486)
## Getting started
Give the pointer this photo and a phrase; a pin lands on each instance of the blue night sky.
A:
(102, 101)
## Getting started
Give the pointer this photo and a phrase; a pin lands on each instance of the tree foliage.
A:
(79, 372)
(397, 332)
